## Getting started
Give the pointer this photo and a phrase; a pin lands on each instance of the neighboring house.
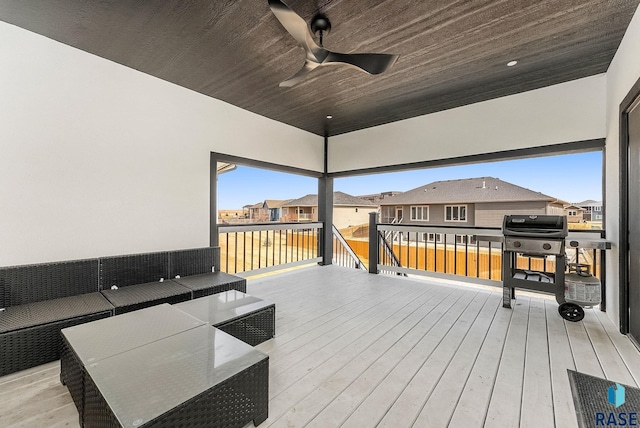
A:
(574, 213)
(592, 210)
(256, 213)
(347, 210)
(481, 202)
(262, 212)
(274, 208)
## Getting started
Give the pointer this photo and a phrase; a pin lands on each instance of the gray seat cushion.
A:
(39, 313)
(212, 283)
(138, 296)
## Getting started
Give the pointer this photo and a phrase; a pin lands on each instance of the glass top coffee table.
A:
(200, 377)
(140, 368)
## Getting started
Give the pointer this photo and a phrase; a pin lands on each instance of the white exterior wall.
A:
(568, 112)
(623, 73)
(99, 159)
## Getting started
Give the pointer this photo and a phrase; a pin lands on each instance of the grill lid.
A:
(535, 226)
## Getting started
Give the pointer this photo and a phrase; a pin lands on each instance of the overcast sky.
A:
(572, 178)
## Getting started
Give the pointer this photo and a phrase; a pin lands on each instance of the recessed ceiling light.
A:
(512, 63)
(329, 116)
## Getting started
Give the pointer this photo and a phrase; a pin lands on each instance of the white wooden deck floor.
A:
(360, 350)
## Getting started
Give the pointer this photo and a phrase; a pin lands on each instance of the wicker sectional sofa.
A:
(37, 301)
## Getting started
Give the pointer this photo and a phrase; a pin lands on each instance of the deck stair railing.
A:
(387, 255)
(343, 254)
(391, 235)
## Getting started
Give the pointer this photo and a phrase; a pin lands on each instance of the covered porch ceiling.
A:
(452, 53)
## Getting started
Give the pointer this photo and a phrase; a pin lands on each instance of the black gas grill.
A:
(537, 236)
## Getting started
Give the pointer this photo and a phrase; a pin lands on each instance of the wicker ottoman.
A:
(243, 316)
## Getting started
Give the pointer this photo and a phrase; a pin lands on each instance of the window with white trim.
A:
(465, 239)
(455, 213)
(432, 237)
(573, 213)
(420, 213)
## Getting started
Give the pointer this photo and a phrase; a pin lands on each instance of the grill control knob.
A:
(517, 244)
(546, 246)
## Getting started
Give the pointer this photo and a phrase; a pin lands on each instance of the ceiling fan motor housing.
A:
(320, 23)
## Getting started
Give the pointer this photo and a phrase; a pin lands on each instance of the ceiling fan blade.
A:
(371, 63)
(298, 28)
(307, 68)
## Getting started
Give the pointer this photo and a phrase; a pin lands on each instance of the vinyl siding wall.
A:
(491, 214)
(436, 215)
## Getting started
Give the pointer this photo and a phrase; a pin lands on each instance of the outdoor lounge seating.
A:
(37, 301)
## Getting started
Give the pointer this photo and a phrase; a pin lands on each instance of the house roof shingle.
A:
(469, 190)
(339, 199)
(275, 203)
(589, 203)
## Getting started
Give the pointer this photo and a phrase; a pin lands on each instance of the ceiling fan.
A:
(316, 55)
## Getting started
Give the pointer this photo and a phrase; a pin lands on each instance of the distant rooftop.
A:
(377, 197)
(275, 203)
(339, 199)
(589, 203)
(468, 190)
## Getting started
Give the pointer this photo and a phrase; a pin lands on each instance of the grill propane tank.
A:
(580, 287)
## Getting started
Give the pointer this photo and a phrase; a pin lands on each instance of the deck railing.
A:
(444, 252)
(455, 253)
(448, 252)
(257, 248)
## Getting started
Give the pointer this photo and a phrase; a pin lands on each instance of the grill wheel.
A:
(571, 312)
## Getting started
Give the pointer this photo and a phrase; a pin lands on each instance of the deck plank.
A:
(351, 364)
(430, 327)
(560, 359)
(356, 349)
(288, 369)
(472, 406)
(585, 357)
(433, 348)
(610, 360)
(623, 345)
(442, 393)
(506, 397)
(536, 391)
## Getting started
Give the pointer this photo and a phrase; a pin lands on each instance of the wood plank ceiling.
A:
(452, 53)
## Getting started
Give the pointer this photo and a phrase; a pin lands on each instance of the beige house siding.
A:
(342, 216)
(351, 216)
(554, 209)
(492, 214)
